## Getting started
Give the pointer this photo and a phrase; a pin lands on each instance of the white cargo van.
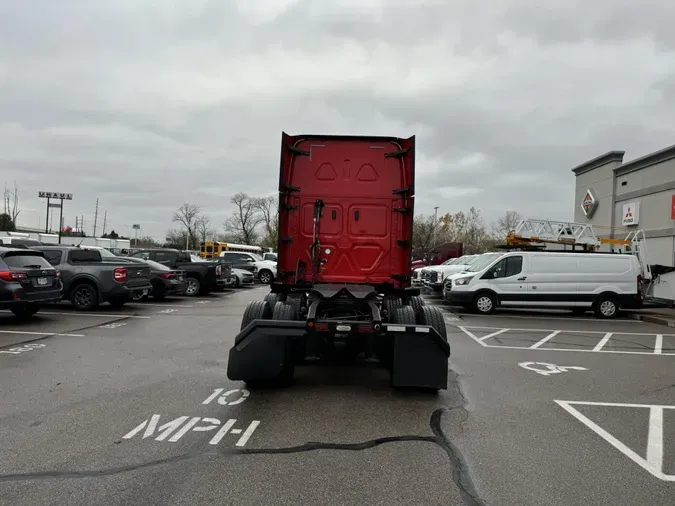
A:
(604, 283)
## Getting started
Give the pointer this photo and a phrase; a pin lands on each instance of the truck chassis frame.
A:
(306, 324)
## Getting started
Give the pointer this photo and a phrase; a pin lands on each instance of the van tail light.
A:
(13, 276)
(639, 285)
(167, 275)
(120, 274)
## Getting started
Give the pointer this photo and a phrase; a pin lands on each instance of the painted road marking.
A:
(167, 311)
(153, 304)
(27, 333)
(202, 302)
(545, 340)
(99, 315)
(113, 325)
(184, 424)
(470, 330)
(602, 341)
(653, 461)
(548, 369)
(23, 348)
(222, 400)
(548, 317)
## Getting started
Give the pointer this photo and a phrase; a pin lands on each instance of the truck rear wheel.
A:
(285, 311)
(272, 299)
(390, 304)
(415, 302)
(405, 315)
(431, 315)
(256, 310)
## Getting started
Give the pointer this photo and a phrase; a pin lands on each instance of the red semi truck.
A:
(343, 274)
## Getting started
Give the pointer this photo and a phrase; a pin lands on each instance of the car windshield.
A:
(157, 266)
(482, 261)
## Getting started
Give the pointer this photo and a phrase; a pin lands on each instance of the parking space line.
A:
(603, 341)
(100, 315)
(568, 331)
(547, 317)
(493, 334)
(27, 333)
(152, 304)
(472, 336)
(658, 344)
(546, 339)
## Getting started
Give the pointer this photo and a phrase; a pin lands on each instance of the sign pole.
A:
(47, 220)
(60, 221)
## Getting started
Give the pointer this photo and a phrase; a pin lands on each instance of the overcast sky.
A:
(148, 104)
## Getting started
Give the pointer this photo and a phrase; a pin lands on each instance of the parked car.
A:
(265, 270)
(165, 281)
(88, 281)
(242, 278)
(27, 280)
(202, 277)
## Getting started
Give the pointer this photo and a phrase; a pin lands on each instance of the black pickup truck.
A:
(202, 277)
(88, 281)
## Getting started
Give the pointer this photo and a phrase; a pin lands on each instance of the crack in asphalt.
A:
(460, 474)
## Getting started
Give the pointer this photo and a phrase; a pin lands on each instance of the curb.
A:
(657, 320)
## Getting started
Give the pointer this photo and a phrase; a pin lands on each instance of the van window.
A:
(507, 267)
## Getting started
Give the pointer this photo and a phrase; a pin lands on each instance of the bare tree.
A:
(176, 238)
(188, 215)
(203, 229)
(469, 229)
(12, 202)
(506, 223)
(245, 219)
(269, 211)
(427, 236)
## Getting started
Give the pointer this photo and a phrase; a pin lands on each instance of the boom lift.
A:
(344, 260)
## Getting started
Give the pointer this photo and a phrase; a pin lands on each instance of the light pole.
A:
(136, 228)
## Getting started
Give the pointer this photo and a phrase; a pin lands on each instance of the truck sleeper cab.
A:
(344, 267)
(603, 283)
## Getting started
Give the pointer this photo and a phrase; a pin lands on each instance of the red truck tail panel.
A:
(365, 229)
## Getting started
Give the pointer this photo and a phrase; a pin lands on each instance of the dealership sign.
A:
(589, 204)
(631, 214)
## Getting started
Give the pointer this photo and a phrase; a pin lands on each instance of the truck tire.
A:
(431, 315)
(194, 286)
(84, 296)
(415, 302)
(390, 304)
(285, 311)
(272, 299)
(405, 315)
(256, 310)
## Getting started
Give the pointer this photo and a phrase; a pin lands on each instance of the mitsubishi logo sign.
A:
(589, 204)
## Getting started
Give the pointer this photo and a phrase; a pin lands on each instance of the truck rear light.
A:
(219, 270)
(167, 275)
(323, 327)
(120, 274)
(58, 274)
(365, 329)
(13, 276)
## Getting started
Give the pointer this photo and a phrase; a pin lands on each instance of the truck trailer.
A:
(346, 206)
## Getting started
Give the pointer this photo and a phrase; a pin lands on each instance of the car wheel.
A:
(485, 303)
(193, 287)
(265, 276)
(84, 297)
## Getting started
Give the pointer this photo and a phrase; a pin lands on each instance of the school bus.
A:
(213, 249)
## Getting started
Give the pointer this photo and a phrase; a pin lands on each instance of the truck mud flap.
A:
(420, 357)
(260, 349)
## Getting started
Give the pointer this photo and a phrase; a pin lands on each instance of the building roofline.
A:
(611, 156)
(660, 156)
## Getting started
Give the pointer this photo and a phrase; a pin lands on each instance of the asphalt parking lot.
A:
(133, 406)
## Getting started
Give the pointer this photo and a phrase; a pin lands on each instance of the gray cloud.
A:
(146, 105)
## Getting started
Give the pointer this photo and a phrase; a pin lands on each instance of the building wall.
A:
(648, 181)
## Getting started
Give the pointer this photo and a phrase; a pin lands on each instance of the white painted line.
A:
(655, 438)
(546, 317)
(603, 341)
(474, 337)
(163, 305)
(485, 338)
(24, 332)
(654, 461)
(235, 431)
(658, 343)
(545, 340)
(619, 404)
(99, 315)
(567, 331)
